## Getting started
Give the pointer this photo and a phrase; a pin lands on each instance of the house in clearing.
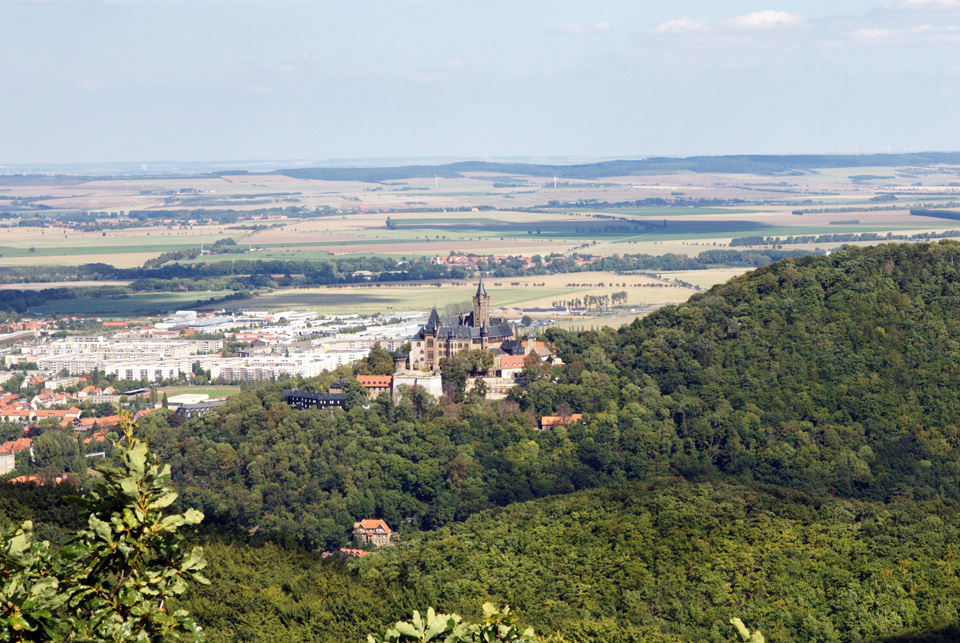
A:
(374, 531)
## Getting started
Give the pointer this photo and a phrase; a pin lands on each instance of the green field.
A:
(212, 392)
(118, 246)
(664, 212)
(147, 303)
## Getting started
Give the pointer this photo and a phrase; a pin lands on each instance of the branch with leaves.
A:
(112, 581)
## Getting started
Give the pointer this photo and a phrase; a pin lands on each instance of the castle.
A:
(446, 336)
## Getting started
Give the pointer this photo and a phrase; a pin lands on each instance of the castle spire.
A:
(481, 291)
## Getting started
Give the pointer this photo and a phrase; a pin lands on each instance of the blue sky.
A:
(143, 80)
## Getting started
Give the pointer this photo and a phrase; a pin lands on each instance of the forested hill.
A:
(835, 374)
(728, 464)
(671, 560)
(832, 375)
(735, 164)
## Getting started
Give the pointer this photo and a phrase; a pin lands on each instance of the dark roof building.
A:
(196, 410)
(307, 400)
(444, 337)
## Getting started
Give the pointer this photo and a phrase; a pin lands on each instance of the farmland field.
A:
(609, 321)
(139, 304)
(508, 293)
(478, 212)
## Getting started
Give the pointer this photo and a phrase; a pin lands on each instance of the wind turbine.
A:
(554, 181)
(437, 181)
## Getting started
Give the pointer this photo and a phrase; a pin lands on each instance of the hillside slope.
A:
(835, 374)
(676, 560)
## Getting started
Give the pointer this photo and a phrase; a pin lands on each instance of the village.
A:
(50, 381)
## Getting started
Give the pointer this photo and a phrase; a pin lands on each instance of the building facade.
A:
(444, 337)
(373, 531)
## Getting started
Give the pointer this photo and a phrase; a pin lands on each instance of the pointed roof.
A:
(481, 291)
(434, 319)
(399, 354)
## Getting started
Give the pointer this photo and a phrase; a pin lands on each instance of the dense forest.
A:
(782, 448)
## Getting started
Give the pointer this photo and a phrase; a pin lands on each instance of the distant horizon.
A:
(145, 168)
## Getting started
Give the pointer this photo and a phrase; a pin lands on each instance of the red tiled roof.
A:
(359, 553)
(37, 480)
(371, 525)
(57, 413)
(374, 381)
(99, 436)
(512, 361)
(104, 423)
(20, 444)
(559, 420)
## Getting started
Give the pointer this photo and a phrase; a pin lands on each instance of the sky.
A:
(205, 80)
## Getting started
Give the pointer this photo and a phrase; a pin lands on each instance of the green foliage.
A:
(745, 634)
(58, 451)
(266, 591)
(112, 581)
(497, 625)
(378, 362)
(828, 374)
(674, 560)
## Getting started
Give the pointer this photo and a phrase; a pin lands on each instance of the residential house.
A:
(306, 400)
(9, 451)
(548, 422)
(8, 463)
(199, 409)
(374, 531)
(375, 384)
(108, 423)
(511, 365)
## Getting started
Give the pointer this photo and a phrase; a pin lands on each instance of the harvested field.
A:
(505, 293)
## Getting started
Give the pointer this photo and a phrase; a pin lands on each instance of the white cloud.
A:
(921, 34)
(577, 29)
(763, 20)
(936, 4)
(756, 21)
(683, 25)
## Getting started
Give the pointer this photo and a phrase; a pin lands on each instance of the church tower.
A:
(481, 306)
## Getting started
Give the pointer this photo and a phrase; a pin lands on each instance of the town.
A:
(52, 376)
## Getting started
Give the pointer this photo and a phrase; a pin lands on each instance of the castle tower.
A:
(399, 361)
(481, 306)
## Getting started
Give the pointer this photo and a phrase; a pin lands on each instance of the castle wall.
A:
(429, 381)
